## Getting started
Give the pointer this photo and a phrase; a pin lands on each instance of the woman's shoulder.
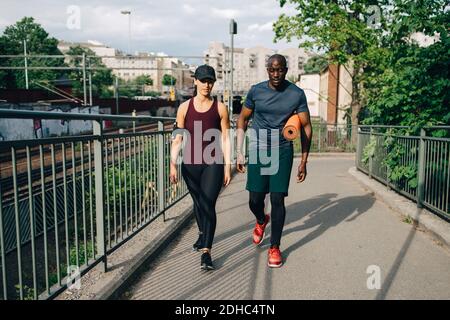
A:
(184, 106)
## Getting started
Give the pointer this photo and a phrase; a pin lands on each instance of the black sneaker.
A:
(206, 262)
(198, 244)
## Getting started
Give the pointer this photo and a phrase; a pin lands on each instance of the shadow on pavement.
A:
(322, 213)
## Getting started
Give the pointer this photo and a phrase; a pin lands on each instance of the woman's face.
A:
(204, 87)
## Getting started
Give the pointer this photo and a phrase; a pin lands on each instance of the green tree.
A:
(338, 28)
(38, 43)
(144, 80)
(395, 80)
(168, 80)
(315, 64)
(136, 87)
(4, 63)
(412, 88)
(101, 79)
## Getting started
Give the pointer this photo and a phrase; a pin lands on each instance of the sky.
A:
(175, 27)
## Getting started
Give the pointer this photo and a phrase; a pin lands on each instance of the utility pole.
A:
(90, 88)
(26, 63)
(233, 31)
(225, 67)
(127, 12)
(116, 87)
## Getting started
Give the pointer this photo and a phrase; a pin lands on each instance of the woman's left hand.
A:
(227, 175)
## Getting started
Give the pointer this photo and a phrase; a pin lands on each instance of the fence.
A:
(417, 167)
(68, 202)
(330, 138)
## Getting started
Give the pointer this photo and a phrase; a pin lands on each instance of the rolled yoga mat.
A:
(291, 130)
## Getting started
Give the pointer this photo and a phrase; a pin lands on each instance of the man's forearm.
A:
(306, 138)
(241, 128)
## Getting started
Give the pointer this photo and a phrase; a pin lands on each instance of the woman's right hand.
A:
(173, 176)
(240, 162)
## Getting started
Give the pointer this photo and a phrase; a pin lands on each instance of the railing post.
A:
(320, 129)
(84, 80)
(358, 147)
(371, 156)
(99, 191)
(421, 169)
(134, 122)
(161, 169)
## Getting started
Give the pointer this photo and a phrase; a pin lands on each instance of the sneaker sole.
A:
(275, 265)
(205, 267)
(262, 238)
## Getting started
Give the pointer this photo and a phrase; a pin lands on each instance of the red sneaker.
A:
(275, 259)
(258, 232)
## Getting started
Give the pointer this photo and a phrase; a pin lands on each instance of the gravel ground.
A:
(95, 279)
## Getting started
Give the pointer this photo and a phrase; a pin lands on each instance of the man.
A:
(272, 103)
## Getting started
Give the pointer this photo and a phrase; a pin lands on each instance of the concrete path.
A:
(336, 237)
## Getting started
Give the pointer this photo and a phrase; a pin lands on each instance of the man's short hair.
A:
(281, 59)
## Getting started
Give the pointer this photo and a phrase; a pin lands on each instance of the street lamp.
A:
(127, 12)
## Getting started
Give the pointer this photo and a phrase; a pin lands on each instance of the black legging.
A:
(278, 214)
(204, 182)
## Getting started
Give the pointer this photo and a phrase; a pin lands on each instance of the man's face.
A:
(277, 73)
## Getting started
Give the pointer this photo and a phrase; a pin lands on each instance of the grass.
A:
(407, 219)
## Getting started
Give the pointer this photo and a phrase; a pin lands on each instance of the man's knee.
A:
(277, 199)
(256, 198)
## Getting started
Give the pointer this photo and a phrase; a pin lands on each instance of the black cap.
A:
(205, 72)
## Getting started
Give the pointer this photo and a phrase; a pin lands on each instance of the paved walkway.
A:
(334, 231)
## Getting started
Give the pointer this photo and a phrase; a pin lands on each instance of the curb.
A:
(350, 155)
(120, 283)
(423, 218)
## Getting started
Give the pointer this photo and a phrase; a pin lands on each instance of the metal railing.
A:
(66, 203)
(330, 138)
(417, 167)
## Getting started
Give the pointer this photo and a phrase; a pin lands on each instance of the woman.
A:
(206, 158)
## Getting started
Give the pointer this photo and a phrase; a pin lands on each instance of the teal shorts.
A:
(265, 174)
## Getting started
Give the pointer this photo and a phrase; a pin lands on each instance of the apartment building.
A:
(128, 67)
(249, 65)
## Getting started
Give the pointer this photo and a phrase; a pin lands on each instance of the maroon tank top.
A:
(197, 124)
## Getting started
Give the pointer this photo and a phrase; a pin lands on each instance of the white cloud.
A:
(226, 13)
(260, 28)
(189, 9)
(168, 25)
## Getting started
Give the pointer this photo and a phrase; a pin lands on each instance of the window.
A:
(301, 60)
(252, 61)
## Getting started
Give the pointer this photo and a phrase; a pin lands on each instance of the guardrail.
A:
(68, 202)
(417, 167)
(330, 138)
